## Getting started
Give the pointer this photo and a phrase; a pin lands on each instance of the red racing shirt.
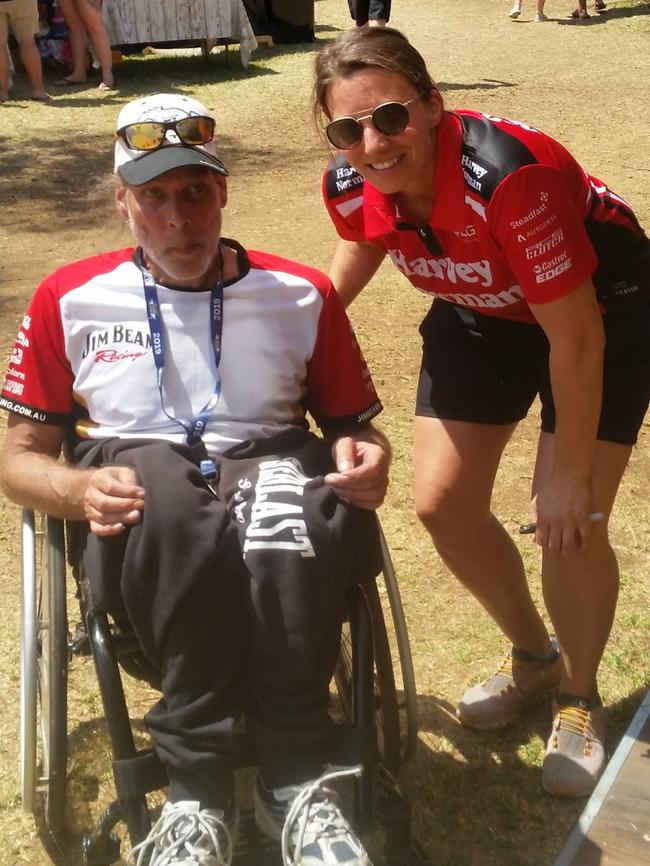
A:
(515, 221)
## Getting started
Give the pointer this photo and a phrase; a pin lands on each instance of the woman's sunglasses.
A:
(389, 118)
(150, 135)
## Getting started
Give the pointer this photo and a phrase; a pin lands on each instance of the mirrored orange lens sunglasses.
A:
(150, 135)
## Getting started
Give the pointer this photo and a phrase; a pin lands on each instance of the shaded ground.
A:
(478, 801)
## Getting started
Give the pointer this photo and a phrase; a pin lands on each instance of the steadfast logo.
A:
(444, 269)
(276, 521)
(530, 216)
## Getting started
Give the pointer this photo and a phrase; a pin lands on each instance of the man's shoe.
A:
(522, 679)
(309, 824)
(186, 835)
(575, 752)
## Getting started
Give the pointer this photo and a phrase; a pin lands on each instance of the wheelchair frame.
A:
(373, 714)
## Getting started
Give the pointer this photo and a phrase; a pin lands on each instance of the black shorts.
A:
(488, 370)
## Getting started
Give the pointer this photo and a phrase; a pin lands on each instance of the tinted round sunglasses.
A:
(150, 135)
(389, 118)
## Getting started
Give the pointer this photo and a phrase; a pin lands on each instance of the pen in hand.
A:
(530, 528)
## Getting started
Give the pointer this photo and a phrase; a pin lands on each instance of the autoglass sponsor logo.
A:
(529, 233)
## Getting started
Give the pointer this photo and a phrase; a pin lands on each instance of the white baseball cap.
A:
(136, 167)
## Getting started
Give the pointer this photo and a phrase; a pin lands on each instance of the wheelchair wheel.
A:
(386, 707)
(408, 700)
(396, 715)
(44, 670)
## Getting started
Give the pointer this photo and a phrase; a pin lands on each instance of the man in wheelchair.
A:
(176, 376)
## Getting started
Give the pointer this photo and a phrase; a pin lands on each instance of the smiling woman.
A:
(532, 265)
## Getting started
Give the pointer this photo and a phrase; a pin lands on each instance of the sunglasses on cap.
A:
(389, 118)
(150, 134)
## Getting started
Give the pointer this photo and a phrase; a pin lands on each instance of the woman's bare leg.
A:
(455, 467)
(78, 41)
(91, 15)
(581, 588)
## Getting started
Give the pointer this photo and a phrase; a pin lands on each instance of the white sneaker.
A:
(515, 12)
(540, 17)
(309, 824)
(186, 835)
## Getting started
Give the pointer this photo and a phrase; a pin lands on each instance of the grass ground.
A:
(477, 797)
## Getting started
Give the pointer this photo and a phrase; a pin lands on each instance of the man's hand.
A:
(362, 462)
(113, 500)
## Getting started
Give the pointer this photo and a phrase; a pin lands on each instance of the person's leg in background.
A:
(378, 13)
(90, 12)
(359, 10)
(78, 44)
(539, 15)
(4, 56)
(24, 22)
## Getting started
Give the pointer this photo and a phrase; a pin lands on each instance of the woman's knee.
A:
(446, 517)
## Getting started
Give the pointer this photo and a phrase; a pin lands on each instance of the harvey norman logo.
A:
(444, 269)
(347, 178)
(472, 172)
(477, 273)
(541, 248)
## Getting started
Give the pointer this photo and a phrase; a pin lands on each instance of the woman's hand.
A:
(562, 511)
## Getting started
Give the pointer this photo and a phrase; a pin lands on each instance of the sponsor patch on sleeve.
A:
(341, 179)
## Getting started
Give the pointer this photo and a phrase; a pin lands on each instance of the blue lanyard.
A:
(194, 428)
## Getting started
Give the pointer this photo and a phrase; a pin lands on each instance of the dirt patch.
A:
(477, 797)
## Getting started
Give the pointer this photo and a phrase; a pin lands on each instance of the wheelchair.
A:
(372, 724)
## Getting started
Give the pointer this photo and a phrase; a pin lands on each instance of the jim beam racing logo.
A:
(119, 343)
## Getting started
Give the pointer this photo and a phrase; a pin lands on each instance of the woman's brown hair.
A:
(363, 47)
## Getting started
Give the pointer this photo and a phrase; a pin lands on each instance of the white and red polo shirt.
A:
(515, 220)
(83, 354)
